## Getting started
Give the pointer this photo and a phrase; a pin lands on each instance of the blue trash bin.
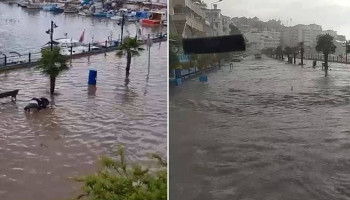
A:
(92, 77)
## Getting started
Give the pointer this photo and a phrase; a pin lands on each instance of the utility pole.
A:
(51, 34)
(50, 31)
(123, 22)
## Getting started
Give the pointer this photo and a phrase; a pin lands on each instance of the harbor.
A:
(87, 35)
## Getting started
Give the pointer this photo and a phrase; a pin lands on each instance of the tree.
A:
(268, 51)
(279, 52)
(222, 57)
(234, 29)
(52, 64)
(116, 180)
(347, 50)
(295, 52)
(174, 48)
(301, 45)
(288, 51)
(326, 46)
(130, 47)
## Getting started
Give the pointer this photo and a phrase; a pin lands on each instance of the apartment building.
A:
(258, 40)
(187, 18)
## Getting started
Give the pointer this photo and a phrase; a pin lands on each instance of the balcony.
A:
(179, 16)
(196, 24)
(195, 8)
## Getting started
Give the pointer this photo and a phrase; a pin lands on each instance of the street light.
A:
(212, 15)
(50, 31)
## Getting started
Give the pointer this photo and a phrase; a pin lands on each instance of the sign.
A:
(183, 58)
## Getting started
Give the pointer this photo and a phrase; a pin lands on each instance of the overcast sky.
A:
(329, 14)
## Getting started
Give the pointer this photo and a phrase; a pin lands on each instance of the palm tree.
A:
(130, 47)
(301, 45)
(52, 64)
(295, 51)
(174, 47)
(288, 51)
(279, 52)
(326, 46)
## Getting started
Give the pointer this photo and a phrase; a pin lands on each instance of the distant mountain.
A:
(258, 24)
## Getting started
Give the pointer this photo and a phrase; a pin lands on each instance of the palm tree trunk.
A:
(302, 56)
(52, 84)
(128, 63)
(295, 58)
(326, 65)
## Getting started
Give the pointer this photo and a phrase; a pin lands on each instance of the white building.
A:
(226, 21)
(187, 18)
(259, 40)
(214, 17)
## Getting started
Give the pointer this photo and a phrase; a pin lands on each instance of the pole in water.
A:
(51, 34)
(149, 54)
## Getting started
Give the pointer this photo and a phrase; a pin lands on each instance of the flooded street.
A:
(265, 130)
(41, 150)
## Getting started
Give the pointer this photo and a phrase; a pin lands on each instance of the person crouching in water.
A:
(37, 103)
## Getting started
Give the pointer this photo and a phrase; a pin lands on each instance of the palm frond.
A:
(52, 63)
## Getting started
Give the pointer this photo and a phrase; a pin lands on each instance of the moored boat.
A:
(70, 9)
(155, 18)
(100, 14)
(33, 5)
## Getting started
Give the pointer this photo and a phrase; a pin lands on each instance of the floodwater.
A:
(40, 151)
(23, 30)
(265, 130)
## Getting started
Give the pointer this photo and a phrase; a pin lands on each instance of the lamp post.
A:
(212, 15)
(122, 28)
(50, 31)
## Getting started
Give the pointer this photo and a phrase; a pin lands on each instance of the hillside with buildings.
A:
(193, 18)
(261, 35)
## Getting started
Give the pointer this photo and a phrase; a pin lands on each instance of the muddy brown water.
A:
(246, 134)
(40, 151)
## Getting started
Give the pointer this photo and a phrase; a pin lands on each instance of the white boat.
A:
(165, 23)
(117, 18)
(70, 10)
(33, 5)
(66, 44)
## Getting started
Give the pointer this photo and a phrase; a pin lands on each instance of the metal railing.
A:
(14, 58)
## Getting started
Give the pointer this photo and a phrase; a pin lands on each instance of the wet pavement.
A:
(265, 130)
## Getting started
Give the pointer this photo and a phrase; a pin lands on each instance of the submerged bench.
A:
(11, 94)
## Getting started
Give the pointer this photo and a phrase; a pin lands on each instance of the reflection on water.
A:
(41, 149)
(247, 135)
